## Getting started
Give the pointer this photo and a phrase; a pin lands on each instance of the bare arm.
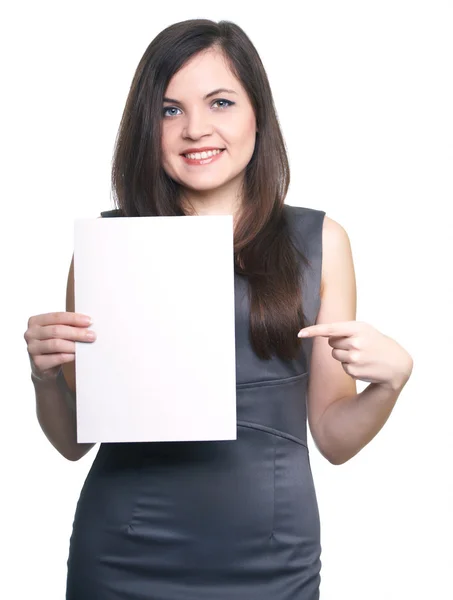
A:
(56, 412)
(350, 423)
(56, 396)
(342, 421)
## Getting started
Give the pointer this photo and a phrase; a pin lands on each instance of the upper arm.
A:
(328, 380)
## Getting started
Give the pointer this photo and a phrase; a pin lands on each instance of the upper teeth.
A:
(199, 155)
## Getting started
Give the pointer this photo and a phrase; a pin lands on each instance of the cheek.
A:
(246, 132)
(167, 139)
(164, 146)
(166, 151)
(249, 138)
(165, 163)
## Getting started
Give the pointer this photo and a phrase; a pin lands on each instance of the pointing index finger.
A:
(341, 328)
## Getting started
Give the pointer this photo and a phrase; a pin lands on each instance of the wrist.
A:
(46, 380)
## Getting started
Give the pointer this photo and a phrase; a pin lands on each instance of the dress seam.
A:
(271, 382)
(271, 431)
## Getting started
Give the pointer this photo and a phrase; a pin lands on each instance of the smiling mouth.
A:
(204, 154)
(202, 158)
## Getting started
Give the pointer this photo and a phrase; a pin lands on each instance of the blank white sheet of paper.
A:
(160, 291)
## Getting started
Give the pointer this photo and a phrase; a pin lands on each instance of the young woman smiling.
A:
(223, 520)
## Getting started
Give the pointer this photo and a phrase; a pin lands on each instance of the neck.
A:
(211, 202)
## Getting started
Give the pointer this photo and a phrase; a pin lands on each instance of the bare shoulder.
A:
(335, 239)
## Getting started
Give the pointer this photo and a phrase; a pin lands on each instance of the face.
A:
(196, 117)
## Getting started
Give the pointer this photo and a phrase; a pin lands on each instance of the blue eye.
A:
(226, 103)
(170, 108)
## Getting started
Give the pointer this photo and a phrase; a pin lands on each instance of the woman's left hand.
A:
(364, 352)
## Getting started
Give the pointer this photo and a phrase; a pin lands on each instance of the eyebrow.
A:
(213, 93)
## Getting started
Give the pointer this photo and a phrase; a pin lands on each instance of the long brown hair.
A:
(263, 250)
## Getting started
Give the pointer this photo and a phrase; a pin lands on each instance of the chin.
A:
(202, 189)
(204, 186)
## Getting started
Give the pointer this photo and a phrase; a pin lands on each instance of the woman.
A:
(226, 520)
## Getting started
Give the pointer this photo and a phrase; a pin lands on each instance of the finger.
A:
(314, 331)
(52, 346)
(339, 329)
(341, 355)
(62, 318)
(63, 332)
(340, 342)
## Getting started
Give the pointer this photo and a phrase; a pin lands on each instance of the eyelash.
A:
(229, 103)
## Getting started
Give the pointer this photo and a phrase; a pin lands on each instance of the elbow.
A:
(337, 460)
(69, 454)
(334, 456)
(340, 458)
(74, 454)
(72, 457)
(334, 451)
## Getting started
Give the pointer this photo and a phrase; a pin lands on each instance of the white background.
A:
(364, 95)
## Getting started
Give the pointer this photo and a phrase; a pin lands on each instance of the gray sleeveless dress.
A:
(228, 520)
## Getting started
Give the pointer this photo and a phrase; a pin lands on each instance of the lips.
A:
(202, 161)
(205, 149)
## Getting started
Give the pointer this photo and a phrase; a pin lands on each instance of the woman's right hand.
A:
(51, 341)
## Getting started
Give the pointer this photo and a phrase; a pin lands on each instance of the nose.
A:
(197, 124)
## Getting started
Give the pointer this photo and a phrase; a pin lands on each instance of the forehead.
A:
(202, 73)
